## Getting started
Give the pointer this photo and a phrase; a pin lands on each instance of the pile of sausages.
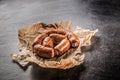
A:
(54, 42)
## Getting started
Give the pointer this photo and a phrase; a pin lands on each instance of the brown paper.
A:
(71, 58)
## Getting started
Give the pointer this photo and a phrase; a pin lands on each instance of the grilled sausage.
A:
(43, 51)
(74, 40)
(48, 42)
(62, 47)
(54, 42)
(57, 38)
(57, 31)
(39, 39)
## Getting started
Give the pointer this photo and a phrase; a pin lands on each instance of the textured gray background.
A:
(102, 61)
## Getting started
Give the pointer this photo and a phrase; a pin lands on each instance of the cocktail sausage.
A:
(39, 39)
(48, 42)
(62, 47)
(74, 40)
(43, 51)
(57, 38)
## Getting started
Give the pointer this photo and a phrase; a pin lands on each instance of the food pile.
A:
(54, 42)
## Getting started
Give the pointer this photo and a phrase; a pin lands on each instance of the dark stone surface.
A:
(102, 62)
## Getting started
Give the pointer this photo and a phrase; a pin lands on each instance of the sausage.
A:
(54, 42)
(62, 47)
(43, 51)
(57, 38)
(57, 31)
(39, 39)
(48, 42)
(74, 40)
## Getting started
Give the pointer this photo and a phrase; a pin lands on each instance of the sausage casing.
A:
(74, 40)
(43, 51)
(62, 47)
(57, 38)
(54, 42)
(39, 39)
(48, 42)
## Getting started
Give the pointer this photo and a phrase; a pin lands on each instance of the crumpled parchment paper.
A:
(71, 58)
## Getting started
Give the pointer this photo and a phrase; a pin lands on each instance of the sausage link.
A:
(43, 51)
(39, 39)
(62, 47)
(60, 39)
(57, 31)
(74, 40)
(48, 42)
(57, 38)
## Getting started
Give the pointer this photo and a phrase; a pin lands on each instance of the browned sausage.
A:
(48, 42)
(58, 31)
(57, 38)
(62, 47)
(43, 51)
(39, 39)
(43, 44)
(74, 40)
